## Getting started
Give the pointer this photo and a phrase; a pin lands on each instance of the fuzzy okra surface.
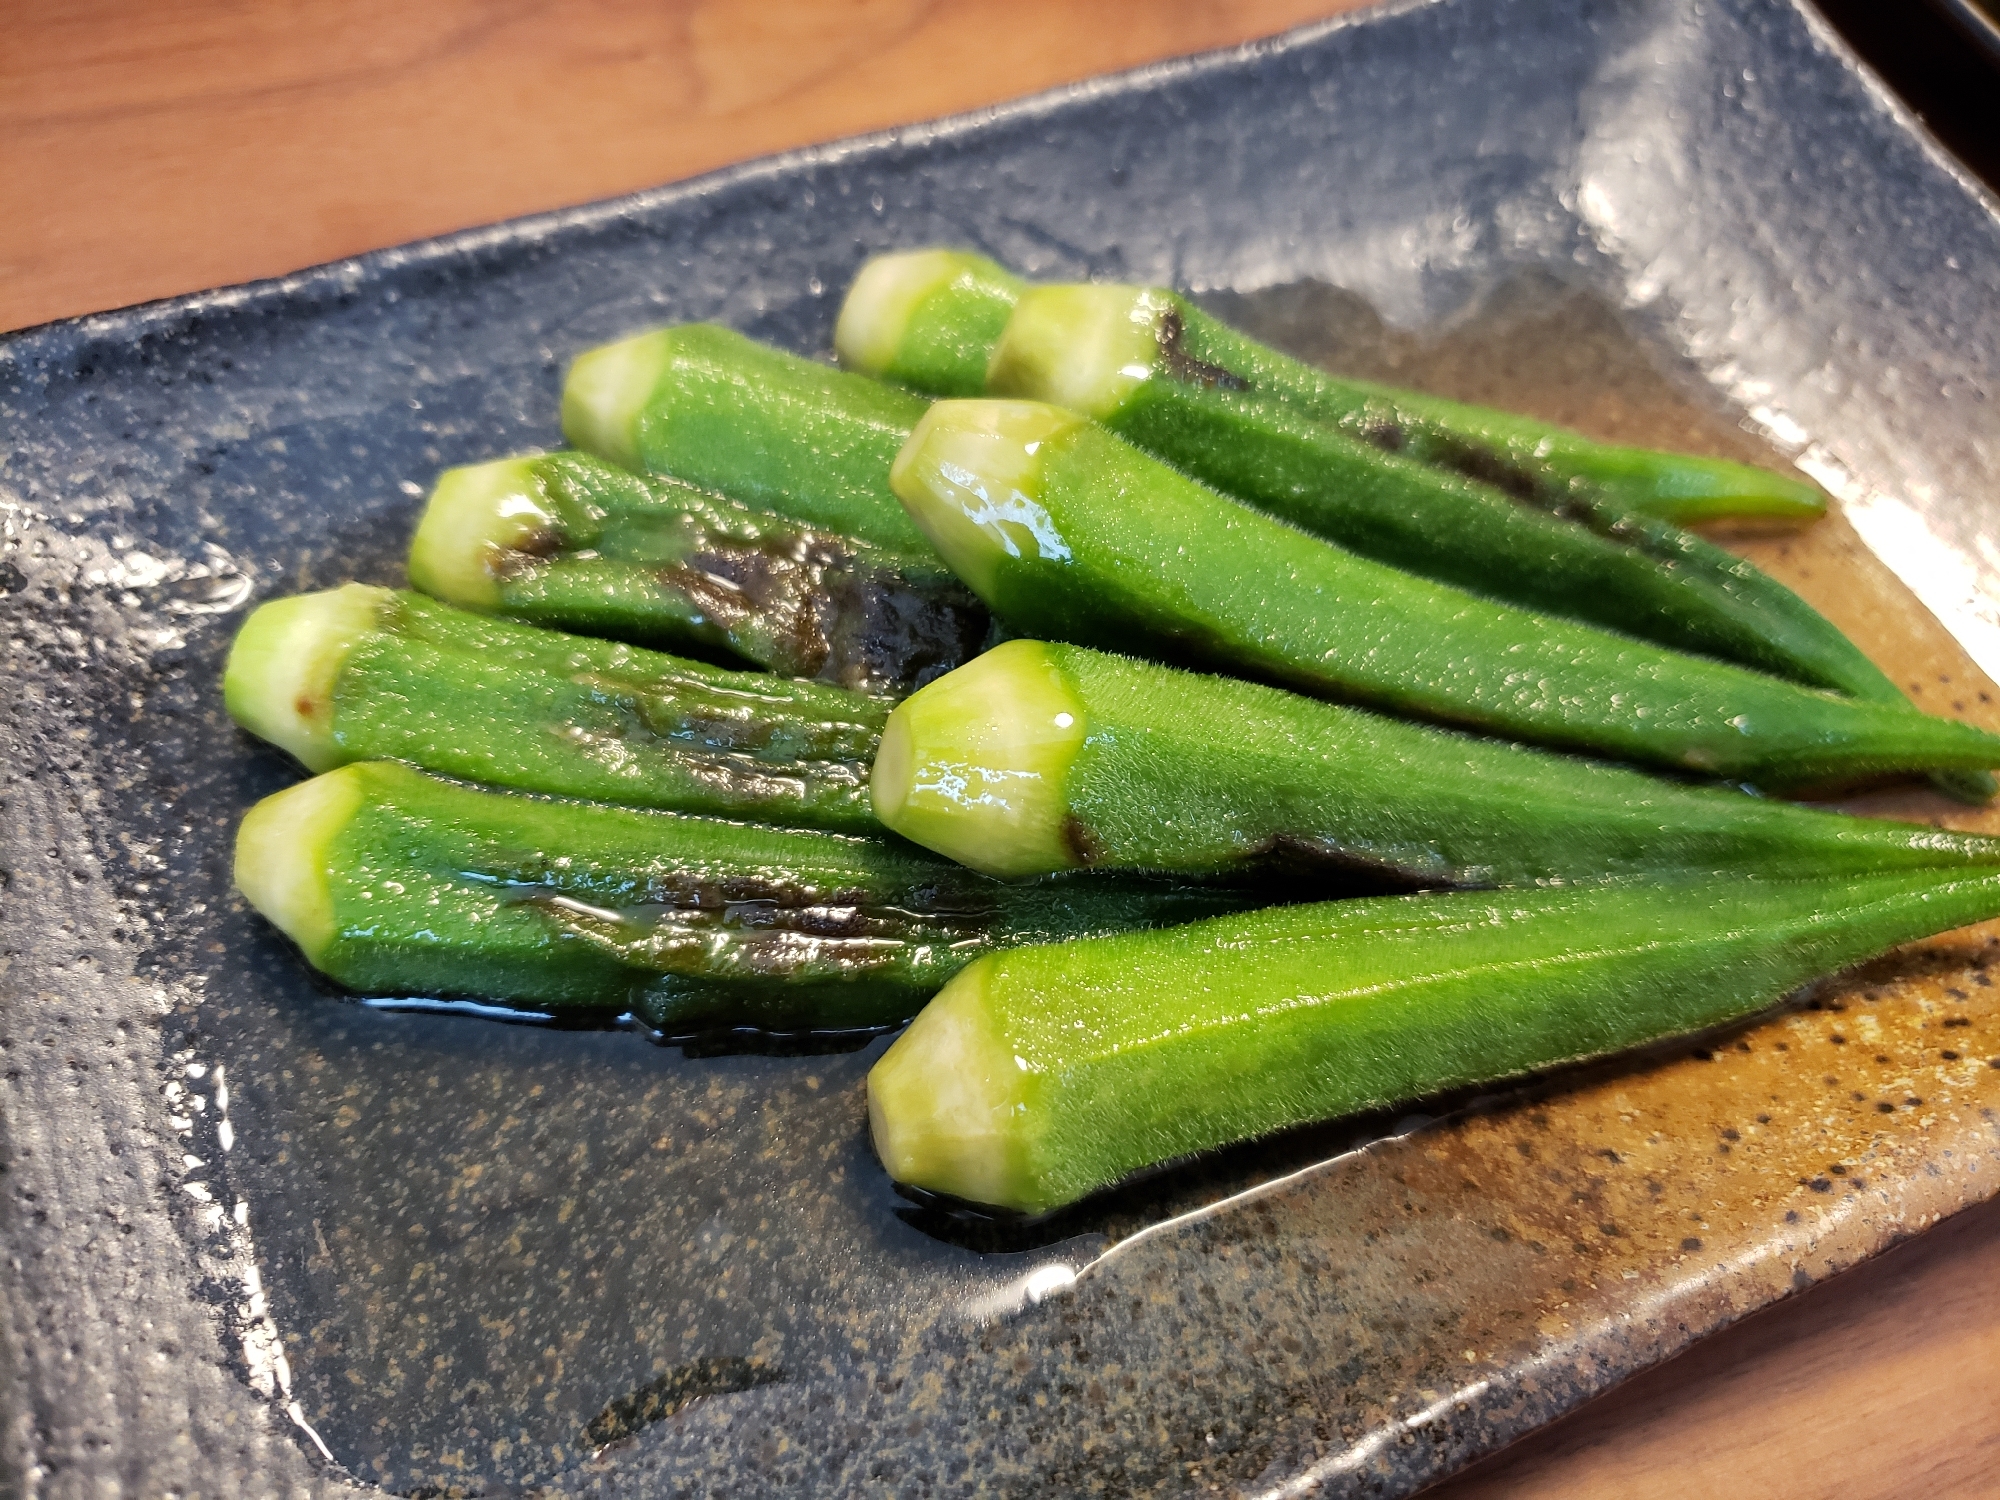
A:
(396, 882)
(574, 542)
(931, 318)
(362, 673)
(1043, 1074)
(1329, 456)
(708, 406)
(1041, 756)
(1142, 364)
(1071, 534)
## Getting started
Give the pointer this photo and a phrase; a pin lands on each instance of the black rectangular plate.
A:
(258, 1234)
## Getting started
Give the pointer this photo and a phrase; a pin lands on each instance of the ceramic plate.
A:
(262, 1237)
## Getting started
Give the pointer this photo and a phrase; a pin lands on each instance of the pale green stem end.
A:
(607, 389)
(281, 855)
(478, 515)
(970, 477)
(1086, 347)
(976, 765)
(286, 660)
(888, 290)
(941, 1101)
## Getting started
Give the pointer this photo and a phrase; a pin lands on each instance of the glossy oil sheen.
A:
(664, 564)
(485, 1250)
(1140, 557)
(514, 705)
(692, 924)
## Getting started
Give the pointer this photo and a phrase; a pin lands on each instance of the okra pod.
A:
(707, 405)
(1073, 535)
(361, 673)
(1117, 355)
(571, 541)
(1101, 351)
(1041, 1075)
(927, 319)
(1038, 757)
(395, 882)
(1172, 339)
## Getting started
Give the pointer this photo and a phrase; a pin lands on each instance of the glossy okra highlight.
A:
(1122, 356)
(363, 673)
(1038, 757)
(1090, 346)
(1110, 353)
(1073, 535)
(571, 541)
(395, 882)
(707, 405)
(1041, 1075)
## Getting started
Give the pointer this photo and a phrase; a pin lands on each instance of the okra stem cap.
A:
(476, 515)
(886, 293)
(976, 765)
(942, 1100)
(281, 854)
(608, 387)
(286, 660)
(1085, 347)
(971, 478)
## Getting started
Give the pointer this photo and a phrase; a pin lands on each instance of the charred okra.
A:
(1073, 535)
(1114, 354)
(395, 882)
(361, 673)
(906, 307)
(573, 542)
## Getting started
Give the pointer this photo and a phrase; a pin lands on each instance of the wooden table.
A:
(148, 149)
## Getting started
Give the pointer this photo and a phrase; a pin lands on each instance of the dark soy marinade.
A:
(576, 543)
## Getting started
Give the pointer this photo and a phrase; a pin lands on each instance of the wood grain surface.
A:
(157, 148)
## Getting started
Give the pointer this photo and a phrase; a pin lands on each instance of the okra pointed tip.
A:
(281, 850)
(1691, 489)
(885, 293)
(284, 663)
(970, 477)
(976, 765)
(1085, 347)
(941, 1101)
(608, 388)
(478, 515)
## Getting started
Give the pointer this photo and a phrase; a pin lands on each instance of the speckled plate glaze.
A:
(263, 1240)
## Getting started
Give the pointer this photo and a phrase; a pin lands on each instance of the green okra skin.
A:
(362, 673)
(1588, 560)
(927, 319)
(395, 882)
(1120, 356)
(1072, 535)
(708, 406)
(1533, 459)
(573, 542)
(1520, 453)
(1039, 757)
(1043, 1074)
